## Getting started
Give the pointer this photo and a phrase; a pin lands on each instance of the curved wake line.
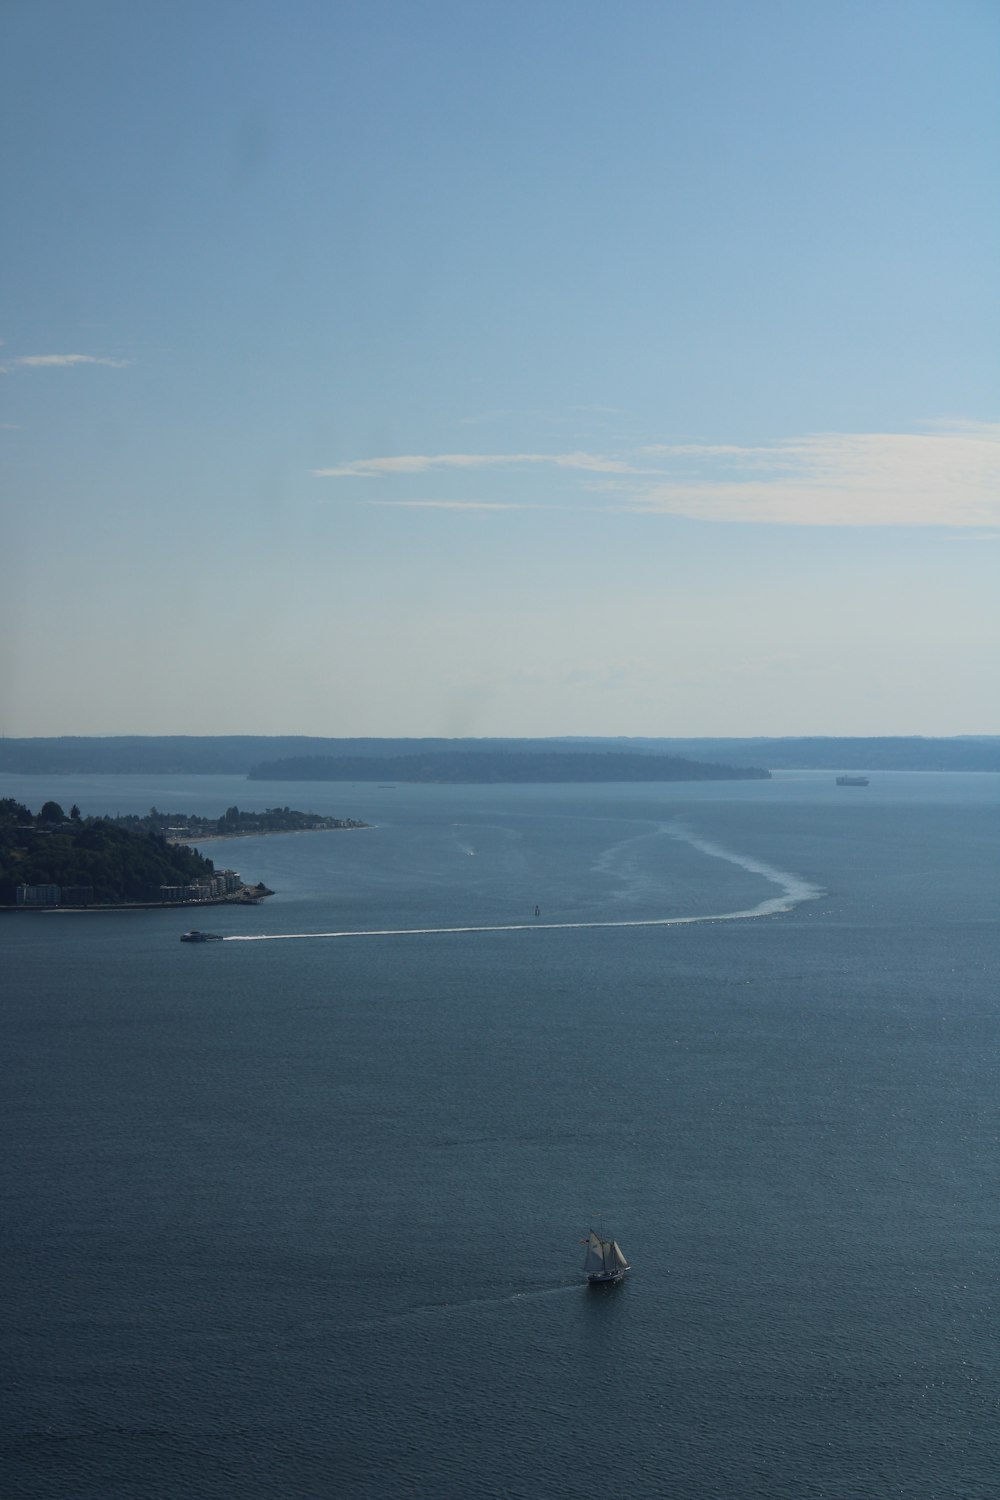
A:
(794, 891)
(796, 888)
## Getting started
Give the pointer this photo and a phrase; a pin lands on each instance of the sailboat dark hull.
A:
(606, 1278)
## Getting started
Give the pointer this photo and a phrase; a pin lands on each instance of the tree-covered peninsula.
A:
(485, 767)
(131, 859)
(234, 823)
(109, 861)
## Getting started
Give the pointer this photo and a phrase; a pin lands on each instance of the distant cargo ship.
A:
(852, 780)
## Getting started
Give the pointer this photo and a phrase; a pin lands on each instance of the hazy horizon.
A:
(406, 371)
(498, 738)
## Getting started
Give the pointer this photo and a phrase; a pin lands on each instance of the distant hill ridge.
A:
(235, 755)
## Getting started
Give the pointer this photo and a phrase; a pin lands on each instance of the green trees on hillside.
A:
(121, 864)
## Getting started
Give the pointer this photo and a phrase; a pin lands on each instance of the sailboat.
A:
(604, 1261)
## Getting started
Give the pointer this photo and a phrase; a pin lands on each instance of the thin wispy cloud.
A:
(62, 361)
(422, 463)
(944, 477)
(946, 474)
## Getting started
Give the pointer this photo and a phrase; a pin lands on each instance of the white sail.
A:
(605, 1260)
(594, 1263)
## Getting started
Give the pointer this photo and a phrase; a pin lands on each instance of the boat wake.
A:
(795, 889)
(792, 891)
(464, 1305)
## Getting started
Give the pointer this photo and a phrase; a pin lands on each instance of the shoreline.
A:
(234, 900)
(258, 833)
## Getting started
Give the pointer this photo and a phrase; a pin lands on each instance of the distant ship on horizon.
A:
(852, 780)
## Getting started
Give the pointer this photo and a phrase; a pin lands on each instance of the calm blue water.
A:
(301, 1217)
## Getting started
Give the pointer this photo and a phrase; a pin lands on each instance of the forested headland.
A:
(132, 857)
(484, 767)
(234, 823)
(108, 858)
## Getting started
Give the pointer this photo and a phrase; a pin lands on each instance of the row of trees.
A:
(273, 820)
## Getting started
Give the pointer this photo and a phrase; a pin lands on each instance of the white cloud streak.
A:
(941, 478)
(945, 475)
(421, 463)
(63, 361)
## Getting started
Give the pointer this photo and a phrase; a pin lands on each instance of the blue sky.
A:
(426, 368)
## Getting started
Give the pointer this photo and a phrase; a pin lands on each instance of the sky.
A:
(421, 368)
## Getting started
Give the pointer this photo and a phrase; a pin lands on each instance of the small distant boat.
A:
(604, 1260)
(194, 936)
(852, 780)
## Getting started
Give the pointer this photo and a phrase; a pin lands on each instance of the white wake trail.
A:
(793, 890)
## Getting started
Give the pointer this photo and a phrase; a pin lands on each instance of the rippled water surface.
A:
(302, 1217)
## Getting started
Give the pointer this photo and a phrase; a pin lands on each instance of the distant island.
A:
(236, 754)
(481, 767)
(54, 858)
